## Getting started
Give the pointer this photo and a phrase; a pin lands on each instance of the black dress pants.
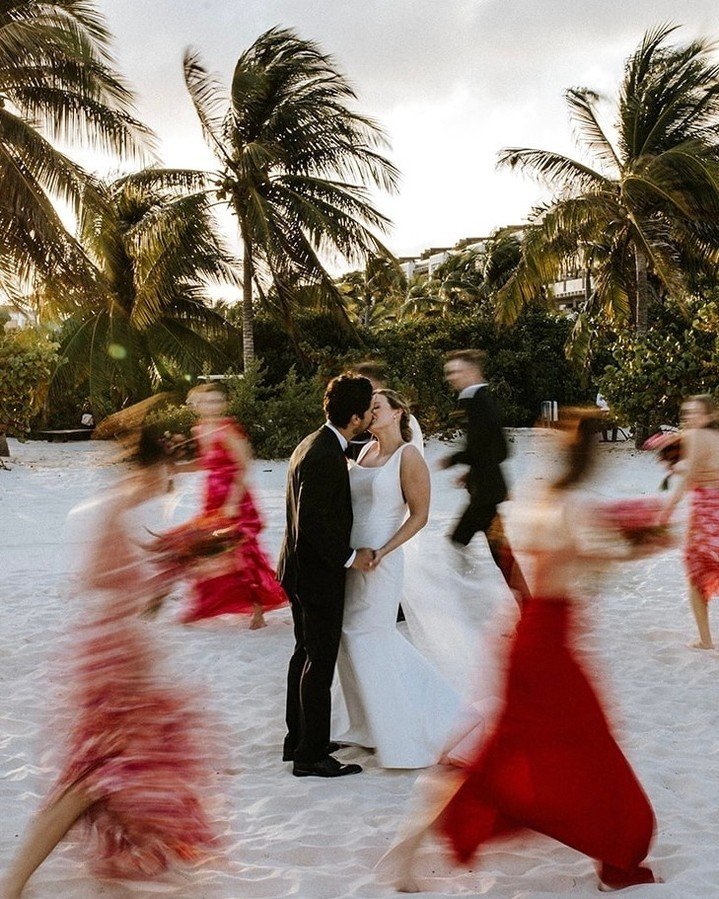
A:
(318, 628)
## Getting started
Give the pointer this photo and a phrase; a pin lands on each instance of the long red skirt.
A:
(552, 764)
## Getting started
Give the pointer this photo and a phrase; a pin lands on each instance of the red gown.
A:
(253, 581)
(551, 764)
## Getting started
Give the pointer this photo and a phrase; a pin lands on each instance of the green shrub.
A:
(275, 418)
(27, 359)
(677, 357)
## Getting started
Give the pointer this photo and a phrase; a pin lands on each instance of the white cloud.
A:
(451, 82)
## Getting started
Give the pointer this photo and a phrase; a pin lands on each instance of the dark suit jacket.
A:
(485, 448)
(319, 519)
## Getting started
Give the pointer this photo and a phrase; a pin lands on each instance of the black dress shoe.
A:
(326, 767)
(289, 755)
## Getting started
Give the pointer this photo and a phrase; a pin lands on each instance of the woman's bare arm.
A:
(416, 489)
(239, 449)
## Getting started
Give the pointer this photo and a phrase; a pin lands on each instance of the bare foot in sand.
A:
(407, 884)
(701, 645)
(257, 621)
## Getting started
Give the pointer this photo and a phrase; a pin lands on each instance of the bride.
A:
(391, 699)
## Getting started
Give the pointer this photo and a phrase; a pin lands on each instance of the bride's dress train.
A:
(390, 698)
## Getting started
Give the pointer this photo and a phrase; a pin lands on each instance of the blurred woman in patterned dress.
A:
(697, 473)
(134, 764)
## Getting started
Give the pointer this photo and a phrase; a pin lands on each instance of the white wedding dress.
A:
(389, 697)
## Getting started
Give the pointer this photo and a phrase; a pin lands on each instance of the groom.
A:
(313, 563)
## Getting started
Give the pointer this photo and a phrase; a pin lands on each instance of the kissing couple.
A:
(342, 568)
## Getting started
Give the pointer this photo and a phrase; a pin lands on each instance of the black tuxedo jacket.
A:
(319, 519)
(485, 448)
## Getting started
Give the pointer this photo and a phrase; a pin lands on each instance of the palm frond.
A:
(581, 102)
(206, 96)
(557, 171)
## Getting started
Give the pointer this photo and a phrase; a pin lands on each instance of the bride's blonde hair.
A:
(397, 401)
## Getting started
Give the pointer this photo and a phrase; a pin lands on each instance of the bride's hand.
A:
(379, 554)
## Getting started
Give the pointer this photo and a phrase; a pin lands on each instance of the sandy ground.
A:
(318, 839)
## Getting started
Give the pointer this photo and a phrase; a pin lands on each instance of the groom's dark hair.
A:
(347, 395)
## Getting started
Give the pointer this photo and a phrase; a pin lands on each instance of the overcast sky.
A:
(451, 82)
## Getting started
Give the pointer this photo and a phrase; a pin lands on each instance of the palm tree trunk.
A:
(642, 324)
(642, 311)
(248, 333)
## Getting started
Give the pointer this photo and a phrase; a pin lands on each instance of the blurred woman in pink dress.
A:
(133, 761)
(697, 473)
(224, 453)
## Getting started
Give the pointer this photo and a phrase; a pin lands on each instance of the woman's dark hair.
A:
(397, 401)
(150, 447)
(580, 426)
(345, 396)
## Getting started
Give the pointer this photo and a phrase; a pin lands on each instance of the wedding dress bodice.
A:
(378, 507)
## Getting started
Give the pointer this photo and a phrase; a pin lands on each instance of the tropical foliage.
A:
(57, 84)
(375, 294)
(294, 165)
(27, 358)
(645, 218)
(651, 373)
(146, 320)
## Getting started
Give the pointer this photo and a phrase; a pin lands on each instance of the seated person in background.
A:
(603, 405)
(87, 419)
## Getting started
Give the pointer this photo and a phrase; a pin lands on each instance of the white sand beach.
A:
(318, 839)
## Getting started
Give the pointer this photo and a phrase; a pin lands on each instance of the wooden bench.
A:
(62, 435)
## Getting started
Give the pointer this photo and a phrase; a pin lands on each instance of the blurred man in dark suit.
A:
(484, 450)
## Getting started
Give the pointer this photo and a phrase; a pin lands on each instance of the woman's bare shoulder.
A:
(412, 459)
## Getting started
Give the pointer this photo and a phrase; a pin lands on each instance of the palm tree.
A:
(375, 293)
(423, 299)
(460, 279)
(502, 255)
(294, 164)
(151, 256)
(56, 84)
(648, 213)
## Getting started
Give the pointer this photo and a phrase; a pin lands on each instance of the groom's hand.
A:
(364, 560)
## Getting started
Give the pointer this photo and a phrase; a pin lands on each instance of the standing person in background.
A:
(698, 473)
(224, 453)
(484, 451)
(376, 374)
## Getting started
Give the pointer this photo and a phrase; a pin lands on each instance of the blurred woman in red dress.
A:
(224, 454)
(550, 763)
(134, 759)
